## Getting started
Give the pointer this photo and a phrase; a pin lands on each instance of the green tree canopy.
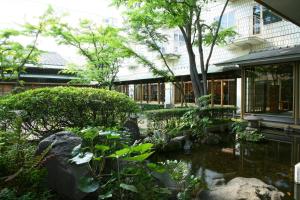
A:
(14, 55)
(103, 47)
(149, 18)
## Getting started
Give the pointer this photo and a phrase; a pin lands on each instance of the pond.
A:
(270, 162)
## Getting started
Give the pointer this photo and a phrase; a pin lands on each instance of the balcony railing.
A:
(249, 32)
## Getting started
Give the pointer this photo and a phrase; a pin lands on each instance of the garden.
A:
(85, 143)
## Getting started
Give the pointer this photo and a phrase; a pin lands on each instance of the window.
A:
(269, 89)
(256, 19)
(228, 20)
(269, 17)
(178, 38)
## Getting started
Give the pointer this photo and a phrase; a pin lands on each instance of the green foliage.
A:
(14, 54)
(119, 171)
(176, 119)
(180, 171)
(10, 194)
(250, 136)
(104, 49)
(48, 110)
(19, 168)
(145, 107)
(166, 114)
(150, 20)
(243, 134)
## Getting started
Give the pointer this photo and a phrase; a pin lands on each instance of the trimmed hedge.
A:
(145, 107)
(165, 114)
(48, 110)
(213, 112)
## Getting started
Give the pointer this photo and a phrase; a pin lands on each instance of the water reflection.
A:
(272, 162)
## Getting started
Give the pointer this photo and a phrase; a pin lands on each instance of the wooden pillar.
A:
(149, 92)
(296, 93)
(243, 93)
(222, 93)
(142, 93)
(212, 92)
(182, 96)
(158, 92)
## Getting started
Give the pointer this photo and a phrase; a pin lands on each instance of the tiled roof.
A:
(52, 58)
(265, 57)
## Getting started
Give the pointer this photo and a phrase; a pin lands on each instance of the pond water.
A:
(271, 162)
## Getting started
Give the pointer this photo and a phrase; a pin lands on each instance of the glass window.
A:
(153, 92)
(137, 92)
(269, 17)
(256, 19)
(228, 20)
(145, 92)
(229, 92)
(269, 89)
(188, 93)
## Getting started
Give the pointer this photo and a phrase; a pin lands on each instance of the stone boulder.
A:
(132, 127)
(211, 139)
(175, 144)
(242, 188)
(63, 177)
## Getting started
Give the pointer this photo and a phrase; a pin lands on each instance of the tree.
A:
(103, 48)
(186, 15)
(14, 55)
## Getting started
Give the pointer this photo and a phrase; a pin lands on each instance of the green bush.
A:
(145, 107)
(165, 114)
(21, 174)
(48, 110)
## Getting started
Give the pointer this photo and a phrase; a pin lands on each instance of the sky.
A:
(16, 12)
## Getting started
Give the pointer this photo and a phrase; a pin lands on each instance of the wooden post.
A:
(222, 93)
(296, 93)
(149, 93)
(212, 92)
(158, 92)
(182, 95)
(142, 93)
(243, 93)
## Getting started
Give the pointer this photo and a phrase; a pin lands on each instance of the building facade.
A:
(45, 74)
(267, 88)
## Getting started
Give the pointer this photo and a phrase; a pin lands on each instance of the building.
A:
(46, 73)
(258, 70)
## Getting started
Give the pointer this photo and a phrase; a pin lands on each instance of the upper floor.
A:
(257, 29)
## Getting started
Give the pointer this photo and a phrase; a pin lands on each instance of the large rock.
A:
(242, 188)
(175, 144)
(132, 127)
(63, 177)
(211, 139)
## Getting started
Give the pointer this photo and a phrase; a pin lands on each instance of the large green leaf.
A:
(102, 147)
(131, 188)
(142, 148)
(82, 158)
(139, 158)
(120, 153)
(88, 185)
(113, 136)
(156, 168)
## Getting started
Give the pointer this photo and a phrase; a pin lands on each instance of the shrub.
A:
(145, 107)
(239, 127)
(48, 110)
(170, 118)
(118, 170)
(21, 174)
